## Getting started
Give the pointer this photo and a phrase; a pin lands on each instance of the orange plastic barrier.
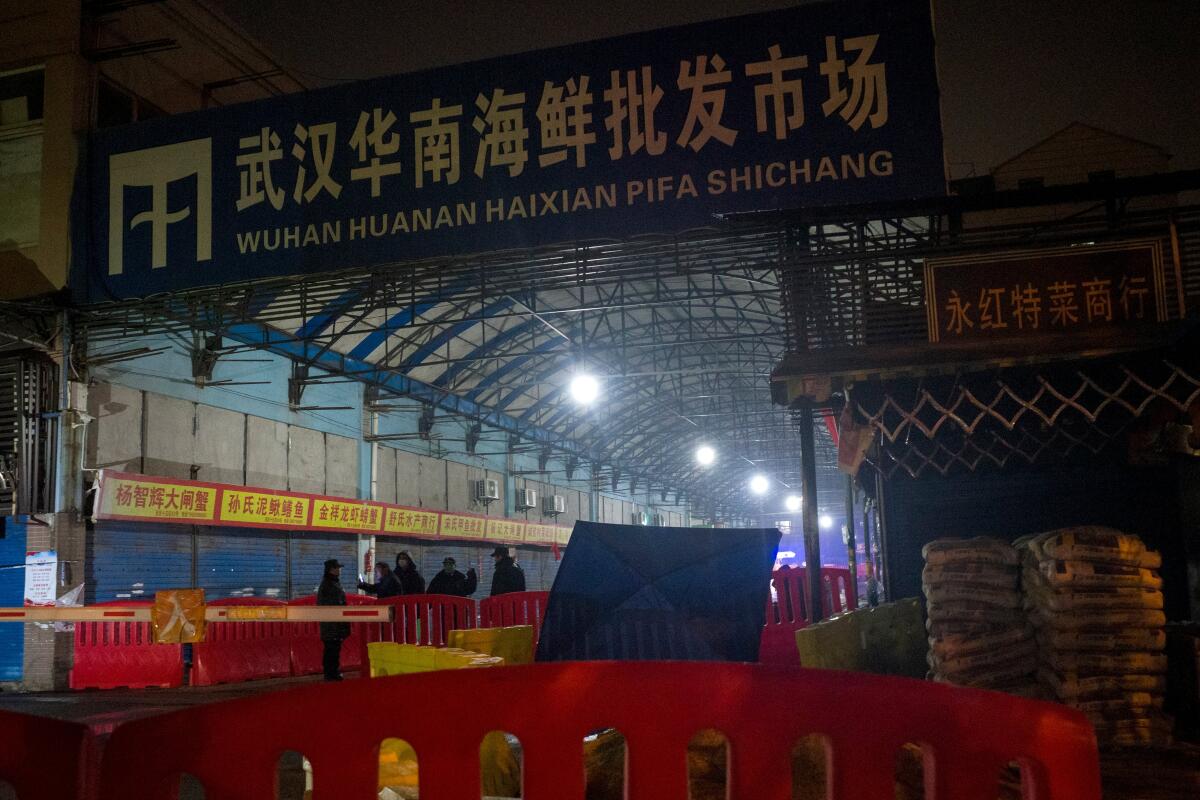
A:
(789, 612)
(763, 711)
(306, 647)
(242, 651)
(516, 608)
(417, 619)
(111, 655)
(45, 759)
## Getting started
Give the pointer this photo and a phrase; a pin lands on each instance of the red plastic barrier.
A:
(45, 759)
(516, 608)
(418, 619)
(112, 655)
(763, 712)
(242, 651)
(306, 647)
(789, 612)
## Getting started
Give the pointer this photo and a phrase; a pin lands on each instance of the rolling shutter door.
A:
(12, 593)
(241, 562)
(133, 560)
(309, 551)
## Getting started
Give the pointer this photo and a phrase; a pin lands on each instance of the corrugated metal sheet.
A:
(309, 551)
(12, 593)
(242, 562)
(133, 560)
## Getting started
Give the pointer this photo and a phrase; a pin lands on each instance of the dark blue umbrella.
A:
(633, 593)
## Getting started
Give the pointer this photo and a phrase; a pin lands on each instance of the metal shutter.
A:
(133, 560)
(309, 551)
(12, 593)
(241, 562)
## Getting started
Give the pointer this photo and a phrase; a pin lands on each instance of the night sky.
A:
(1011, 71)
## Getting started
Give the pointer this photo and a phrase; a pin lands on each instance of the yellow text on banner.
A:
(133, 498)
(346, 516)
(411, 521)
(462, 527)
(541, 534)
(505, 530)
(263, 508)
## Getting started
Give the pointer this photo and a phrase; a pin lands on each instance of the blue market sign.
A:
(657, 132)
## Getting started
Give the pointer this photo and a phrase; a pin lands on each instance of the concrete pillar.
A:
(48, 654)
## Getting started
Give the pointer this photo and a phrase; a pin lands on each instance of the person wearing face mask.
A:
(451, 581)
(411, 581)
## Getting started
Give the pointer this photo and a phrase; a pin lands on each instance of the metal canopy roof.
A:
(682, 333)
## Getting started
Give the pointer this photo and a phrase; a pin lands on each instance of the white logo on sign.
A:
(157, 168)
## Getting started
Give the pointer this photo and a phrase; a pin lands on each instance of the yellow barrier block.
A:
(514, 644)
(886, 640)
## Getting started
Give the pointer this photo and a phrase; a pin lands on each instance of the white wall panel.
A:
(306, 460)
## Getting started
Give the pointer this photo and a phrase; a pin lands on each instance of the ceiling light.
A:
(792, 502)
(584, 389)
(759, 484)
(826, 521)
(705, 455)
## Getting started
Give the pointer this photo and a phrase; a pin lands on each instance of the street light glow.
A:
(792, 502)
(759, 484)
(584, 389)
(705, 455)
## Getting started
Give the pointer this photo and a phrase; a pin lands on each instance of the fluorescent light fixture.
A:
(584, 389)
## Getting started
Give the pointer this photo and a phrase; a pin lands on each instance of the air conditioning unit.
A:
(555, 504)
(487, 490)
(526, 498)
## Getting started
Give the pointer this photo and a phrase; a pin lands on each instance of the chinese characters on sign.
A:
(262, 508)
(410, 521)
(151, 499)
(505, 530)
(1039, 293)
(655, 132)
(541, 534)
(41, 578)
(346, 515)
(147, 498)
(458, 526)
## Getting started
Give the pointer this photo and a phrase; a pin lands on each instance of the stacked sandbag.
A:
(978, 634)
(1096, 602)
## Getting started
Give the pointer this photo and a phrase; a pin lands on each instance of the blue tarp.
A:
(631, 592)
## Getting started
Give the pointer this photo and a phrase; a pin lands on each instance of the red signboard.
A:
(1036, 293)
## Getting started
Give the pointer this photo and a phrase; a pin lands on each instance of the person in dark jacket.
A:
(386, 583)
(411, 581)
(451, 581)
(333, 633)
(508, 577)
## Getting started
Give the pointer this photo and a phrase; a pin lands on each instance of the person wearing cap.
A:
(386, 583)
(333, 634)
(411, 581)
(451, 581)
(508, 577)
